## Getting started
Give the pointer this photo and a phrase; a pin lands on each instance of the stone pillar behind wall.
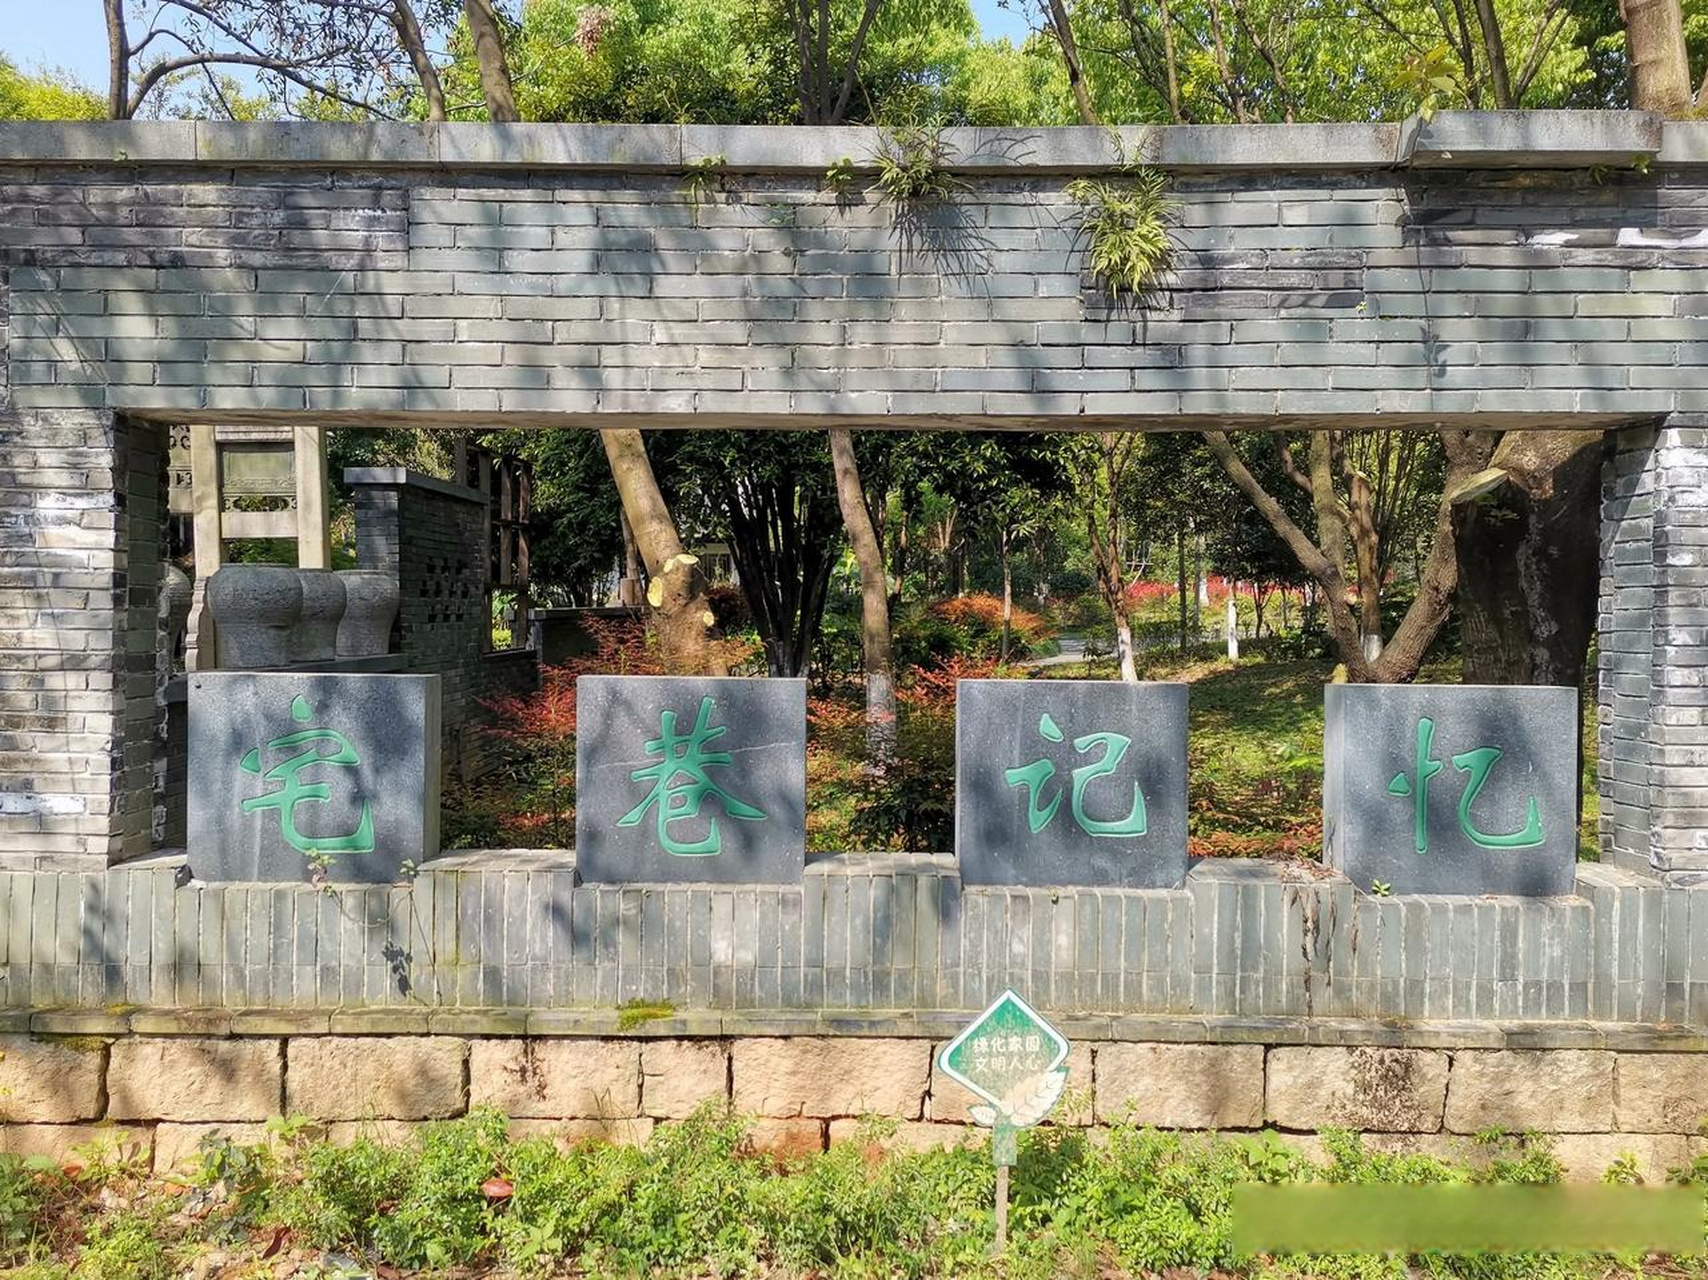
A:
(82, 637)
(430, 535)
(1653, 631)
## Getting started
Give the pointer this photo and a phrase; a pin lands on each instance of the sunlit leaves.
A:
(45, 95)
(1125, 224)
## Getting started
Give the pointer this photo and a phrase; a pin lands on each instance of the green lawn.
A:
(1254, 766)
(1255, 748)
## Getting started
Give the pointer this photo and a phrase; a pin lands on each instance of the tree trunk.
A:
(1063, 28)
(1528, 556)
(1124, 647)
(1200, 590)
(118, 61)
(489, 56)
(901, 553)
(678, 587)
(630, 586)
(1180, 555)
(1171, 65)
(1467, 453)
(409, 36)
(1113, 582)
(1007, 594)
(1494, 52)
(874, 600)
(1660, 65)
(1365, 555)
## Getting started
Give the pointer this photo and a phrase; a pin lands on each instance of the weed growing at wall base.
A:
(462, 1197)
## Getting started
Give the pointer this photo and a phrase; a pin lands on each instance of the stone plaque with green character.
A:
(334, 775)
(685, 779)
(1070, 782)
(1451, 788)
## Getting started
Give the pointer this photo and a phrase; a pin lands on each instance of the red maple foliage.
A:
(934, 686)
(547, 715)
(981, 613)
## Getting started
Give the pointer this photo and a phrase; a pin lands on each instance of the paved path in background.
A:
(1069, 649)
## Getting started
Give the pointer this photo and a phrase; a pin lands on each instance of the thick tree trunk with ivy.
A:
(874, 600)
(677, 590)
(1528, 556)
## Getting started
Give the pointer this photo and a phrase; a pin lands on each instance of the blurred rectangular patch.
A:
(1368, 1218)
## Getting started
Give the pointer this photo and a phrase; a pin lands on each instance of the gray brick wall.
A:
(430, 535)
(1426, 293)
(1653, 630)
(879, 933)
(81, 526)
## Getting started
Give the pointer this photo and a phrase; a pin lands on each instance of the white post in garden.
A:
(1233, 627)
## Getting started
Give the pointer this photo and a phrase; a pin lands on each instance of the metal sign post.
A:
(1010, 1057)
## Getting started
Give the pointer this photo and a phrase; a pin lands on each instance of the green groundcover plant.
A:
(461, 1198)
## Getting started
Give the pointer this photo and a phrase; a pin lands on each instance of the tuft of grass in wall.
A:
(702, 178)
(1125, 221)
(912, 162)
(839, 178)
(633, 1013)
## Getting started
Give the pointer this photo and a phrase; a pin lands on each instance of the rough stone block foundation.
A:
(169, 1092)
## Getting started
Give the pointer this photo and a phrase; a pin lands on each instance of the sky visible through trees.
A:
(70, 36)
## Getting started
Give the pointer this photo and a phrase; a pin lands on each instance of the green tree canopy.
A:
(45, 94)
(731, 62)
(1228, 61)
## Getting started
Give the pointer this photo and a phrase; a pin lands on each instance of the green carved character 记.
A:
(1036, 776)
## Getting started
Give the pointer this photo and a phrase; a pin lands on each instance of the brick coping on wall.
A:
(1458, 139)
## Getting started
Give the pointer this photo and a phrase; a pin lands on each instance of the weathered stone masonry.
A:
(1480, 270)
(1653, 677)
(171, 1083)
(888, 933)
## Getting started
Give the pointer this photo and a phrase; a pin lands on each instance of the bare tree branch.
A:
(362, 54)
(851, 76)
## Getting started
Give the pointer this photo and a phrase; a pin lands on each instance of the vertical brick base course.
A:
(169, 1092)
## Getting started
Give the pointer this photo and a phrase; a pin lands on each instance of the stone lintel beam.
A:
(1452, 139)
(1046, 419)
